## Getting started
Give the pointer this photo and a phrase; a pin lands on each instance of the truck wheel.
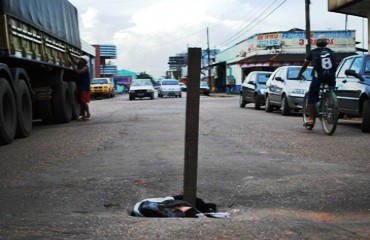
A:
(8, 113)
(75, 103)
(61, 101)
(24, 110)
(366, 117)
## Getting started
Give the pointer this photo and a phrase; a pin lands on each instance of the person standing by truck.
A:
(83, 85)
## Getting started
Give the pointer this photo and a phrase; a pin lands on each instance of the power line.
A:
(251, 25)
(258, 12)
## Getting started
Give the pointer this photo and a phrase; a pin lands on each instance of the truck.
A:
(36, 77)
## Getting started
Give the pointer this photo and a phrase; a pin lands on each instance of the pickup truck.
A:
(353, 88)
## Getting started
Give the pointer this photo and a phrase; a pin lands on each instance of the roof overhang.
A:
(351, 7)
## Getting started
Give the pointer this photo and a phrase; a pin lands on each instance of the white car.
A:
(170, 88)
(141, 88)
(284, 91)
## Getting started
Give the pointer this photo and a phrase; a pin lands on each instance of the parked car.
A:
(141, 88)
(169, 87)
(183, 86)
(102, 87)
(284, 91)
(353, 88)
(253, 89)
(204, 88)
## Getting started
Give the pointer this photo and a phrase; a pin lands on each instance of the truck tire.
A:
(366, 117)
(24, 110)
(61, 102)
(76, 107)
(8, 113)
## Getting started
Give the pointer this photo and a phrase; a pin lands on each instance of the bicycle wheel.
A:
(305, 112)
(329, 113)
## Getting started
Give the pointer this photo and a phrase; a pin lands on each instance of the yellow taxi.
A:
(102, 87)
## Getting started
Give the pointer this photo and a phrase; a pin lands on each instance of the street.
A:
(277, 180)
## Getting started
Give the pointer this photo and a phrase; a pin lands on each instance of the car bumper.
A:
(141, 94)
(170, 93)
(98, 91)
(296, 102)
(204, 91)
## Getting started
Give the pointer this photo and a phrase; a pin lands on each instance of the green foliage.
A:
(144, 75)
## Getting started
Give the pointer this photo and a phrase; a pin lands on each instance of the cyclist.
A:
(324, 67)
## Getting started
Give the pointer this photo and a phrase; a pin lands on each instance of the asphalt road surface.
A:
(276, 180)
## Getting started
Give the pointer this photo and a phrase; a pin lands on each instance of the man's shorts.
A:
(84, 97)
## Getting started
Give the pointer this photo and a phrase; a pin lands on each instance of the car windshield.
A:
(203, 84)
(293, 73)
(367, 66)
(170, 82)
(262, 78)
(141, 83)
(99, 81)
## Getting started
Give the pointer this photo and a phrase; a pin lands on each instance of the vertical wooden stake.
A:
(192, 125)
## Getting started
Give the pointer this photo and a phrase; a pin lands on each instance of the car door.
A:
(250, 86)
(277, 88)
(348, 91)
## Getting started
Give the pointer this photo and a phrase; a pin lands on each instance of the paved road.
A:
(276, 179)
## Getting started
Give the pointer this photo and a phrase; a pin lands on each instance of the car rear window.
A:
(168, 82)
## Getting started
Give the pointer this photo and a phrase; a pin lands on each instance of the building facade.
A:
(104, 53)
(267, 51)
(360, 8)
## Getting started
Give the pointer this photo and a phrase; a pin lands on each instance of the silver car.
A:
(170, 88)
(284, 91)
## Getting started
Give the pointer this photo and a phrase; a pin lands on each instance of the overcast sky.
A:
(148, 32)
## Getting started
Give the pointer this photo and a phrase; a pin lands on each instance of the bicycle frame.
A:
(326, 110)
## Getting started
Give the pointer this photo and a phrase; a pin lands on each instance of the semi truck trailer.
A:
(36, 77)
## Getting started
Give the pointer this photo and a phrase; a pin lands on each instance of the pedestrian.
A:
(83, 85)
(324, 67)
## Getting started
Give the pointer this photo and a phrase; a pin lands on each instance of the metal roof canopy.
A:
(352, 7)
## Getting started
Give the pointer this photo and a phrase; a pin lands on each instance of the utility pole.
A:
(209, 61)
(308, 27)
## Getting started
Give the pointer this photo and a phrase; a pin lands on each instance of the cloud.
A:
(148, 32)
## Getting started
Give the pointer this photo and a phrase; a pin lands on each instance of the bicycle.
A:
(326, 110)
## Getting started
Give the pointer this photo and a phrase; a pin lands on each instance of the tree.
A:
(144, 75)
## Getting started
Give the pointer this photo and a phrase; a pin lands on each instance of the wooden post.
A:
(308, 26)
(192, 125)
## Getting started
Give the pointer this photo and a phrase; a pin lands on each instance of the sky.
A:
(147, 32)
